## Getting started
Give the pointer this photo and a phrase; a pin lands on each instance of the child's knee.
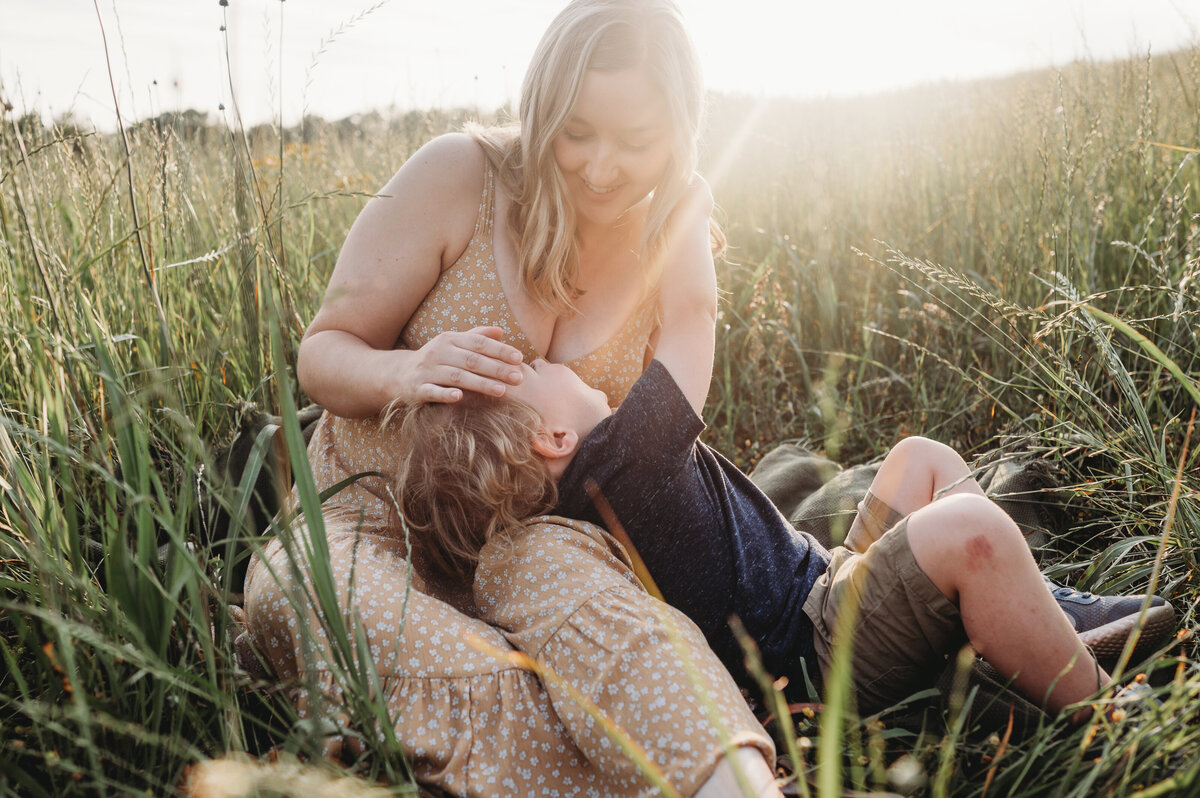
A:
(914, 447)
(970, 512)
(964, 532)
(934, 455)
(989, 534)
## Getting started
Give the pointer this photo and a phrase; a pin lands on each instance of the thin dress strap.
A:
(487, 205)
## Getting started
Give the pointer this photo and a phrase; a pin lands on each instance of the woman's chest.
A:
(605, 342)
(600, 319)
(611, 289)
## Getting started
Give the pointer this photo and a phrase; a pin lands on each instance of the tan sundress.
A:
(561, 592)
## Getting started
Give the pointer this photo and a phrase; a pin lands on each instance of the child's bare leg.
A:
(915, 472)
(918, 470)
(1009, 616)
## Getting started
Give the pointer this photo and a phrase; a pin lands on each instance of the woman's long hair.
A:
(603, 35)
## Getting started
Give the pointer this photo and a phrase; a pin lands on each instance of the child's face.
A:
(560, 397)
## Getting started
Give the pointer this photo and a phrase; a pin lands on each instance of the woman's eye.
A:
(573, 136)
(636, 147)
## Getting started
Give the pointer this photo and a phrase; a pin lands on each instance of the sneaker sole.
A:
(1108, 641)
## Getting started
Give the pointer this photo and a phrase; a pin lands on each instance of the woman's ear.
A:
(555, 443)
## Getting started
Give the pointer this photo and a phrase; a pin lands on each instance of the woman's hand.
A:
(452, 362)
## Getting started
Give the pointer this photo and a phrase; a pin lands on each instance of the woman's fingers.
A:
(488, 341)
(472, 361)
(428, 392)
(452, 377)
(492, 363)
(446, 384)
(481, 356)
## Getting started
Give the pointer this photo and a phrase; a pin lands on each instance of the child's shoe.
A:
(1104, 623)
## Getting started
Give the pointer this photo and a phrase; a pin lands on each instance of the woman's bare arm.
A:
(686, 342)
(419, 224)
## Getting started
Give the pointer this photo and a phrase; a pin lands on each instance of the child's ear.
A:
(554, 443)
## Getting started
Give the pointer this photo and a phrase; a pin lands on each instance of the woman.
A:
(575, 240)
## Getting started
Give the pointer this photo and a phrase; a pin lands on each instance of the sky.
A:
(335, 58)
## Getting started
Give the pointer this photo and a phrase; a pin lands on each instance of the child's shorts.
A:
(905, 627)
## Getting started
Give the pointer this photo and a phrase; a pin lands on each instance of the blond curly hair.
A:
(466, 473)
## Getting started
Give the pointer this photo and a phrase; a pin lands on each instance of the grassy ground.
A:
(1007, 263)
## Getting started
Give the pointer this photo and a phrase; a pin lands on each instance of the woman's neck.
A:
(624, 233)
(595, 237)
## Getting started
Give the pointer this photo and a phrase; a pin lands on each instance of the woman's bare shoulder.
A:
(419, 222)
(442, 182)
(446, 169)
(449, 156)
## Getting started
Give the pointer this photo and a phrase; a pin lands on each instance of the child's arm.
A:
(686, 342)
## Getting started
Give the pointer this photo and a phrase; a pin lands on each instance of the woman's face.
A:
(616, 144)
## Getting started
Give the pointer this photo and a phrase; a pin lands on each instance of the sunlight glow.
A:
(732, 150)
(336, 59)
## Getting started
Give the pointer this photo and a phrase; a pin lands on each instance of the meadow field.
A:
(1008, 265)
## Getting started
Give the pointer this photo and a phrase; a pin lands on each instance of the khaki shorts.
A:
(905, 627)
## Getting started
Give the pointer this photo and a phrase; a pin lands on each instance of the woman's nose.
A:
(601, 166)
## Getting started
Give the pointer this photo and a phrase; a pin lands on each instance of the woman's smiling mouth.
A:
(597, 189)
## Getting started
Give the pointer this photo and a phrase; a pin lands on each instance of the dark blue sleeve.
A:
(649, 438)
(714, 544)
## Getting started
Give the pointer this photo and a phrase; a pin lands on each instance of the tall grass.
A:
(1007, 263)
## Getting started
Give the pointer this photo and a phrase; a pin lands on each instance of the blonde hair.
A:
(466, 473)
(603, 35)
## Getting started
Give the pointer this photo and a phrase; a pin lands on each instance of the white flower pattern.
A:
(474, 725)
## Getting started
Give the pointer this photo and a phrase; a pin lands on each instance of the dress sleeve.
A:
(563, 594)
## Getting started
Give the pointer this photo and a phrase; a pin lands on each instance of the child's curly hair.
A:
(466, 472)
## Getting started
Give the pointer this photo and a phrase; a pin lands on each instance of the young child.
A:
(927, 572)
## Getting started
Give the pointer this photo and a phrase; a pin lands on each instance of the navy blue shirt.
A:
(712, 541)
